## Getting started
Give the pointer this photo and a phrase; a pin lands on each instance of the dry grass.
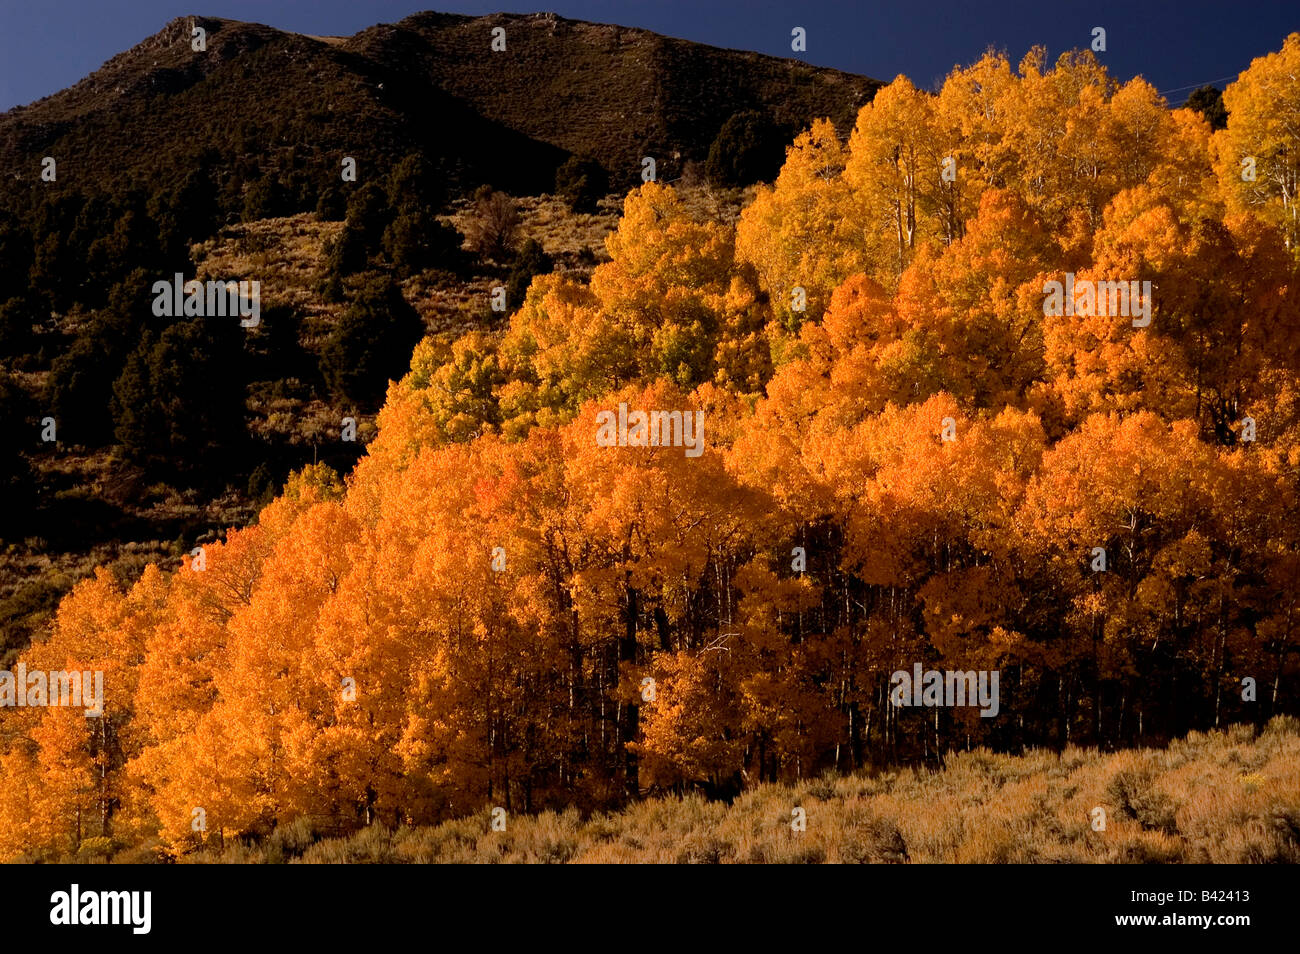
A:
(1221, 797)
(286, 255)
(564, 234)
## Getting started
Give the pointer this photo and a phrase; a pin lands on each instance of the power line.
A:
(1176, 89)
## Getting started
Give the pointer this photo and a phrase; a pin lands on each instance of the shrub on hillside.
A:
(582, 182)
(372, 343)
(493, 224)
(749, 148)
(416, 240)
(531, 260)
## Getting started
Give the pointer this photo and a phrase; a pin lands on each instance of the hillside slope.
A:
(431, 83)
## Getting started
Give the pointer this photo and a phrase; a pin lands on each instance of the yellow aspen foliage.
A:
(1257, 157)
(804, 231)
(895, 168)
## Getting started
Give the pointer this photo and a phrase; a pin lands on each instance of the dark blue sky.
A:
(46, 45)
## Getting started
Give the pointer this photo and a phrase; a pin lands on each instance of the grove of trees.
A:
(906, 462)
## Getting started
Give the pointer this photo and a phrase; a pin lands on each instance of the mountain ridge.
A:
(429, 83)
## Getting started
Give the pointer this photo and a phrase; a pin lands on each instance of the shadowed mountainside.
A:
(430, 83)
